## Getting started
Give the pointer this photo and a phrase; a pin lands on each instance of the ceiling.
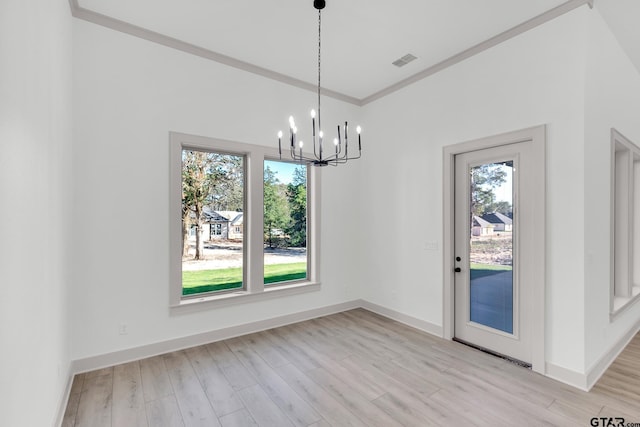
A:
(360, 38)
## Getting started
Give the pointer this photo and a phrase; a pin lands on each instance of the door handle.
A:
(457, 269)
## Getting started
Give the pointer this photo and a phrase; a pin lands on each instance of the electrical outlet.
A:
(123, 329)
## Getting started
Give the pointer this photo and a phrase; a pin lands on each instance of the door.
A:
(494, 248)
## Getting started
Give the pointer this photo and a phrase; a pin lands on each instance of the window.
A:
(232, 231)
(626, 221)
(285, 222)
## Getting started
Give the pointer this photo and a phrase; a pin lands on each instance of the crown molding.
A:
(480, 47)
(115, 24)
(152, 36)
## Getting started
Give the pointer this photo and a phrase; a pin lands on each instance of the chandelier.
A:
(323, 154)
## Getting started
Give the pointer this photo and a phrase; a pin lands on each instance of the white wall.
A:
(612, 100)
(535, 78)
(128, 95)
(35, 199)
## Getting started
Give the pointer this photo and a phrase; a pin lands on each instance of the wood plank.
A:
(293, 354)
(155, 380)
(322, 401)
(192, 400)
(402, 412)
(77, 384)
(260, 344)
(222, 396)
(363, 385)
(479, 415)
(289, 402)
(99, 372)
(233, 370)
(94, 408)
(128, 400)
(369, 413)
(571, 412)
(262, 409)
(364, 371)
(71, 411)
(240, 418)
(321, 342)
(164, 412)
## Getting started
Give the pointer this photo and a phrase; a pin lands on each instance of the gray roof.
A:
(497, 218)
(479, 222)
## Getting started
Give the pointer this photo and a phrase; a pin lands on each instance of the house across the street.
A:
(501, 222)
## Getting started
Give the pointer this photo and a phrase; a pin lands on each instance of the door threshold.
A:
(494, 353)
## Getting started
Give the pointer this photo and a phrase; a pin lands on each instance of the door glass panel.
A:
(491, 245)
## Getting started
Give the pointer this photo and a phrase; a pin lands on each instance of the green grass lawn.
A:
(483, 270)
(198, 281)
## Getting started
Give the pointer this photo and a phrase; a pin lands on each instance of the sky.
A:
(505, 191)
(283, 170)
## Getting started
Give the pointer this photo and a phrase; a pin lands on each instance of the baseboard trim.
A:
(64, 399)
(136, 353)
(567, 376)
(414, 322)
(600, 367)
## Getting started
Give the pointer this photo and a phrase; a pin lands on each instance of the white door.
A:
(495, 244)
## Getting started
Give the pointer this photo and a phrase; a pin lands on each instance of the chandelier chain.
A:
(319, 50)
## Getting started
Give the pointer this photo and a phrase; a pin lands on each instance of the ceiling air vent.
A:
(404, 60)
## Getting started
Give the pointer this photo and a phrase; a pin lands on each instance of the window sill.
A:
(620, 304)
(242, 297)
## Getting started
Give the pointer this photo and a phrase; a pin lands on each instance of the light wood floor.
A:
(352, 368)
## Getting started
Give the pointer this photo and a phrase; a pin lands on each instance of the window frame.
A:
(624, 208)
(253, 261)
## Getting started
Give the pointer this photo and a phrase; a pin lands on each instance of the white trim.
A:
(136, 353)
(600, 367)
(536, 134)
(115, 24)
(567, 376)
(64, 398)
(623, 198)
(226, 299)
(423, 325)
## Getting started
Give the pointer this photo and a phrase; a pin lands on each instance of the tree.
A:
(276, 208)
(484, 179)
(196, 188)
(228, 188)
(207, 179)
(502, 206)
(297, 196)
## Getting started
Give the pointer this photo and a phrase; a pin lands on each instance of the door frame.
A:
(537, 135)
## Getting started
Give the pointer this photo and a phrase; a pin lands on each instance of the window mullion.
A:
(254, 258)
